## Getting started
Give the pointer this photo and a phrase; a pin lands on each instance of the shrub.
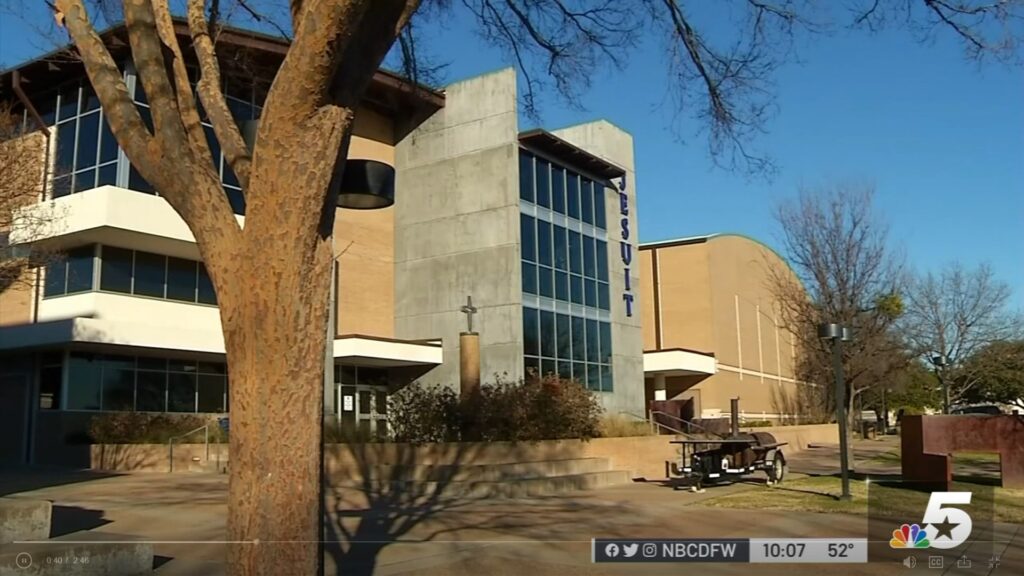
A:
(148, 428)
(547, 408)
(619, 426)
(419, 413)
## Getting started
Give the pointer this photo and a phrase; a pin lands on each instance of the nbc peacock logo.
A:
(909, 536)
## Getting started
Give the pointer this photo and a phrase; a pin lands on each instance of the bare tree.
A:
(951, 316)
(847, 274)
(271, 327)
(22, 173)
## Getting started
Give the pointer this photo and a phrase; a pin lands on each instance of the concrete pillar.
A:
(659, 387)
(469, 364)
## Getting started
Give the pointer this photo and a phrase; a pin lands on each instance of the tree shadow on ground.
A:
(69, 519)
(384, 494)
(15, 479)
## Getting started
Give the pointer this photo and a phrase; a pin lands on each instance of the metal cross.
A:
(469, 310)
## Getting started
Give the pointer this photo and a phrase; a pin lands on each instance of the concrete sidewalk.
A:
(184, 515)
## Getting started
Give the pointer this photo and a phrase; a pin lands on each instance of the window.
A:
(151, 390)
(85, 382)
(118, 383)
(571, 346)
(558, 189)
(602, 260)
(589, 258)
(563, 328)
(150, 274)
(561, 247)
(51, 374)
(544, 242)
(572, 195)
(116, 269)
(528, 233)
(546, 281)
(86, 153)
(146, 274)
(211, 393)
(600, 216)
(70, 275)
(586, 201)
(181, 392)
(182, 276)
(531, 332)
(529, 278)
(206, 292)
(547, 334)
(543, 183)
(575, 253)
(526, 177)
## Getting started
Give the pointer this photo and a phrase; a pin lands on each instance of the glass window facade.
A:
(565, 271)
(87, 154)
(71, 274)
(131, 272)
(142, 384)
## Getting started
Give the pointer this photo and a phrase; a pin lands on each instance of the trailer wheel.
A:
(777, 470)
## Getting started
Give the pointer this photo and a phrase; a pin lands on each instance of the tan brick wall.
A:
(16, 302)
(22, 162)
(366, 241)
(685, 298)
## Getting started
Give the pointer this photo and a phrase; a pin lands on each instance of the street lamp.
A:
(836, 335)
(939, 361)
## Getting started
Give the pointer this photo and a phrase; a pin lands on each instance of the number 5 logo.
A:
(947, 527)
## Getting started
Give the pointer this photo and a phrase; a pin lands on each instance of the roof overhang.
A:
(547, 143)
(243, 53)
(355, 349)
(679, 362)
(387, 353)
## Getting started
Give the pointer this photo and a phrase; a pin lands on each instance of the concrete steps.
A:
(85, 553)
(520, 488)
(502, 480)
(487, 472)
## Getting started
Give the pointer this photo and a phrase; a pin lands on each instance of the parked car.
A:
(980, 410)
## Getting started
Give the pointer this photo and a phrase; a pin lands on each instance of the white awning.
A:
(355, 349)
(385, 352)
(679, 362)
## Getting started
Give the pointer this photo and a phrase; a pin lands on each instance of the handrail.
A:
(687, 423)
(170, 444)
(654, 423)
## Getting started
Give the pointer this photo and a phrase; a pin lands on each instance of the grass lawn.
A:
(818, 494)
(960, 459)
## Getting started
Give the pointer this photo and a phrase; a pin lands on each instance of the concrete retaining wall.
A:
(642, 456)
(24, 519)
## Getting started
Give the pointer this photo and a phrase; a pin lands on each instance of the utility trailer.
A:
(711, 460)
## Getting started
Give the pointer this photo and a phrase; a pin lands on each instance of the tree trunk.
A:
(275, 350)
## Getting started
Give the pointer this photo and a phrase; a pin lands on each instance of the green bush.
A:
(547, 408)
(619, 426)
(419, 413)
(149, 428)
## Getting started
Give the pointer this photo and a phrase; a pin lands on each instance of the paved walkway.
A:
(401, 534)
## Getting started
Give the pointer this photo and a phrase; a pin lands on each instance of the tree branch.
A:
(226, 129)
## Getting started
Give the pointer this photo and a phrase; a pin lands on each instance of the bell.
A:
(365, 185)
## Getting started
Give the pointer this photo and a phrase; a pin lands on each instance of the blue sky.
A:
(941, 139)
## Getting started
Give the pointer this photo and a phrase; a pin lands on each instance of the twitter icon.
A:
(629, 550)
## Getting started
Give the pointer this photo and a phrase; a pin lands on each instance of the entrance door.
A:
(363, 409)
(14, 395)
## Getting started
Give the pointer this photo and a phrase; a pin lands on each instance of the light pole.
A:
(939, 361)
(836, 335)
